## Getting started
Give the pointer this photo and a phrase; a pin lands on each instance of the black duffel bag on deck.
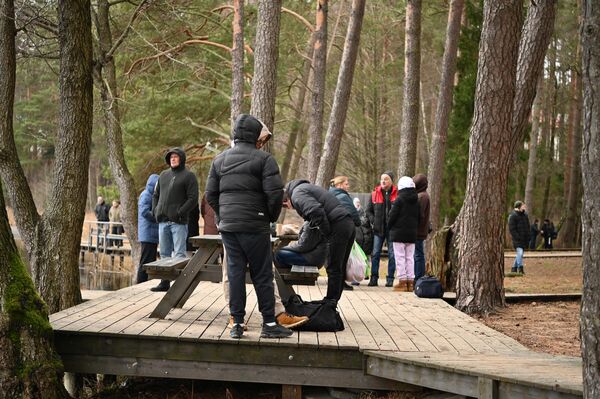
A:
(322, 315)
(429, 287)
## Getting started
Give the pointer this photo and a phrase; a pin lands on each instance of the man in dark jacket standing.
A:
(518, 225)
(421, 184)
(322, 210)
(378, 209)
(245, 190)
(174, 197)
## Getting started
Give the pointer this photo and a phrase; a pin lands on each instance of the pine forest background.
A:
(174, 76)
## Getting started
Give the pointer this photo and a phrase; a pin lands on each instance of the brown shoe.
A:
(411, 285)
(230, 324)
(400, 286)
(290, 321)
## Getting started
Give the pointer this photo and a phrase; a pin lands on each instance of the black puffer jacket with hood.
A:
(244, 186)
(176, 192)
(404, 217)
(316, 205)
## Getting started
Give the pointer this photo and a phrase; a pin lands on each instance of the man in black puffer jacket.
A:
(245, 190)
(319, 207)
(175, 195)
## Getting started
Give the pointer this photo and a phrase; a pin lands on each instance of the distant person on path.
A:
(323, 211)
(549, 233)
(534, 232)
(175, 195)
(101, 211)
(114, 216)
(147, 228)
(403, 223)
(378, 211)
(339, 187)
(518, 226)
(421, 185)
(245, 190)
(364, 233)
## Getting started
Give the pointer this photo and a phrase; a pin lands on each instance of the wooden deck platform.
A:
(392, 341)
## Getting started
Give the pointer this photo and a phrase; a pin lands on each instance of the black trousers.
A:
(340, 245)
(149, 253)
(254, 250)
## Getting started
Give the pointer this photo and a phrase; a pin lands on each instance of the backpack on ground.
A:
(322, 315)
(429, 287)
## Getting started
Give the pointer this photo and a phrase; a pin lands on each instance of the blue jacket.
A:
(344, 198)
(147, 226)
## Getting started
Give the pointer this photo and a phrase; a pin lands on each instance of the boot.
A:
(411, 285)
(401, 285)
(520, 270)
(373, 282)
(163, 286)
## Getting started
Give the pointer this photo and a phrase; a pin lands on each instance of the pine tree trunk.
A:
(266, 51)
(590, 217)
(106, 79)
(319, 67)
(339, 109)
(568, 233)
(533, 145)
(299, 123)
(237, 61)
(412, 76)
(480, 223)
(442, 117)
(29, 366)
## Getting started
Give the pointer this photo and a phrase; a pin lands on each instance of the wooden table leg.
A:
(188, 280)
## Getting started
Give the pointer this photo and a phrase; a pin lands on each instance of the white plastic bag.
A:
(357, 264)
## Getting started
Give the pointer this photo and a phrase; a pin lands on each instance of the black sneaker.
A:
(348, 287)
(236, 331)
(276, 331)
(373, 282)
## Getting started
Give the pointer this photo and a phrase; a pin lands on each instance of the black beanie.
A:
(390, 174)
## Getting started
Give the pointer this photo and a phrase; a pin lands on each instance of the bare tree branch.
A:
(124, 34)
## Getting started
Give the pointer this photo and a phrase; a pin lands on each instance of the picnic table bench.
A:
(205, 265)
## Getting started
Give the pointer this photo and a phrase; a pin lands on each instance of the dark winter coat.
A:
(176, 192)
(548, 230)
(311, 244)
(147, 226)
(316, 205)
(364, 232)
(379, 207)
(404, 217)
(101, 212)
(244, 186)
(518, 226)
(421, 184)
(344, 198)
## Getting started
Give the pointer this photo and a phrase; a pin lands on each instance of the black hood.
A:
(247, 129)
(179, 152)
(291, 186)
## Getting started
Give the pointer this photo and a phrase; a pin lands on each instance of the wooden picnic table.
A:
(205, 265)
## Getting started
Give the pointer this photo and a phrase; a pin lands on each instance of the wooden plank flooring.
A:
(113, 333)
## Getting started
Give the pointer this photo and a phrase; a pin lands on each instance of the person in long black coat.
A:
(403, 223)
(518, 225)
